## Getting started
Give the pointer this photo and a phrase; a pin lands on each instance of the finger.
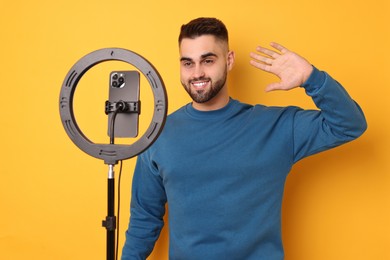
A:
(279, 47)
(268, 52)
(261, 58)
(260, 65)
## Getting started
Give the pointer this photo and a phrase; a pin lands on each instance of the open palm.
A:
(292, 69)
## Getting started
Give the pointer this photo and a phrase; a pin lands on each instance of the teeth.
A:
(200, 84)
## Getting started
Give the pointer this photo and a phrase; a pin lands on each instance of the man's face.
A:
(204, 63)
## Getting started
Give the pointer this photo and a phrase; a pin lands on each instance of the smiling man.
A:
(221, 164)
(205, 62)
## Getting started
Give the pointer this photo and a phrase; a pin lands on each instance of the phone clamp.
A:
(123, 107)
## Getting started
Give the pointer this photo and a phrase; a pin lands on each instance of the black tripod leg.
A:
(110, 222)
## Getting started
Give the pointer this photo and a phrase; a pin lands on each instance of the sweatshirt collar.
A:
(213, 114)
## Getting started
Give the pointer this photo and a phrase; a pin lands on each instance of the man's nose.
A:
(198, 71)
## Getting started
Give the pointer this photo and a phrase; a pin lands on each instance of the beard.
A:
(204, 95)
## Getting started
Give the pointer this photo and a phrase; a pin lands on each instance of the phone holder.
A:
(124, 106)
(112, 153)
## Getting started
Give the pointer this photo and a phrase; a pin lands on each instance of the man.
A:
(220, 164)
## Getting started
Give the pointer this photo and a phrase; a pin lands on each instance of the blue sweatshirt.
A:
(223, 172)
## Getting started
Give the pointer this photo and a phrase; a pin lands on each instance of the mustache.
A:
(199, 79)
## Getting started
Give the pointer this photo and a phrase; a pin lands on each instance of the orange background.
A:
(53, 196)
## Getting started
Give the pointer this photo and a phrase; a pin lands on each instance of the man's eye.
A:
(208, 61)
(187, 64)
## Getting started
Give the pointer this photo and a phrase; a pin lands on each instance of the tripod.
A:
(112, 153)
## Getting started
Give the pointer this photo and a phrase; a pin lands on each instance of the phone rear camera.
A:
(115, 76)
(114, 84)
(121, 80)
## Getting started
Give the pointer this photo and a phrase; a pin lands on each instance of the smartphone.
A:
(124, 86)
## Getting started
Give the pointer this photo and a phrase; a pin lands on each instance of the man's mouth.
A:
(201, 84)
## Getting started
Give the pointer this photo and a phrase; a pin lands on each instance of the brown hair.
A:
(204, 26)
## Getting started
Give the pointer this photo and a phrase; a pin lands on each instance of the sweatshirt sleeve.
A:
(338, 120)
(147, 210)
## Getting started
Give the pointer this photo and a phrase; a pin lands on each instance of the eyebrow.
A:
(203, 56)
(209, 54)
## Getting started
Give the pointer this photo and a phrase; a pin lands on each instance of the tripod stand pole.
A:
(110, 222)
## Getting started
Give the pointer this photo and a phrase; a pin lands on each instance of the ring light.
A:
(111, 153)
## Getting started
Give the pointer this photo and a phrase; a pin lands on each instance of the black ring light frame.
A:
(111, 153)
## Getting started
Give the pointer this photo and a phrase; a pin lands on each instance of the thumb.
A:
(273, 86)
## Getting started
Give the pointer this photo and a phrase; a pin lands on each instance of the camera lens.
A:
(115, 76)
(114, 84)
(121, 80)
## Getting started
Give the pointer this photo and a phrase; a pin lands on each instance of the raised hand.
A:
(292, 69)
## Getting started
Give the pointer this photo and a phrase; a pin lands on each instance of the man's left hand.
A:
(292, 69)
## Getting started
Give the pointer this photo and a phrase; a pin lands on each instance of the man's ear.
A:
(230, 59)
